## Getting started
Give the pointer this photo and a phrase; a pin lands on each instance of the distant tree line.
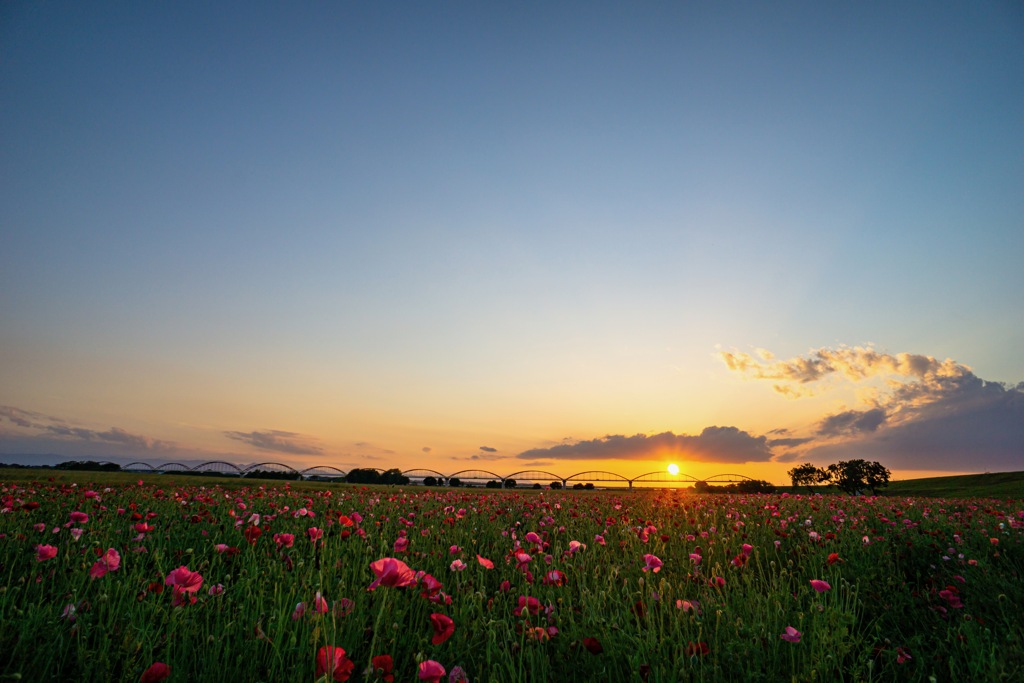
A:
(849, 476)
(749, 486)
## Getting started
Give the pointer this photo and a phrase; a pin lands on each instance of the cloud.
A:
(480, 457)
(852, 422)
(714, 444)
(853, 363)
(488, 449)
(55, 431)
(928, 414)
(426, 449)
(278, 441)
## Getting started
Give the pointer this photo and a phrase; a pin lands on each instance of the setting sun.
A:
(673, 469)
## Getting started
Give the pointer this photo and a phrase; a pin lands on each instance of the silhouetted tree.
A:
(455, 482)
(510, 483)
(430, 481)
(555, 485)
(492, 484)
(853, 476)
(808, 475)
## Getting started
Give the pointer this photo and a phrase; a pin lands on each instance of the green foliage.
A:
(897, 588)
(856, 476)
(808, 475)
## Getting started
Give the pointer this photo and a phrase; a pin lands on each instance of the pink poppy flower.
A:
(79, 517)
(45, 552)
(392, 573)
(185, 584)
(791, 635)
(401, 544)
(221, 548)
(332, 661)
(431, 671)
(530, 604)
(110, 562)
(314, 533)
(653, 563)
(299, 611)
(747, 549)
(156, 672)
(457, 566)
(553, 578)
(216, 589)
(444, 627)
(820, 586)
(902, 655)
(484, 562)
(319, 604)
(576, 546)
(599, 539)
(284, 540)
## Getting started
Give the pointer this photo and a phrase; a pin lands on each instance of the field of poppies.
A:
(152, 580)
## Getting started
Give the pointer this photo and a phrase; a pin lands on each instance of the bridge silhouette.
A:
(420, 475)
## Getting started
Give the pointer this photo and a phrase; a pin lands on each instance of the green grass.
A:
(987, 485)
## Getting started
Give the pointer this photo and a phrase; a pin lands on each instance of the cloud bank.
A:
(714, 444)
(277, 441)
(929, 414)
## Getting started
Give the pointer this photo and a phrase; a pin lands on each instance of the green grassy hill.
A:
(988, 485)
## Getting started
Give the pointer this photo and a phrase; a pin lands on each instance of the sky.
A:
(514, 236)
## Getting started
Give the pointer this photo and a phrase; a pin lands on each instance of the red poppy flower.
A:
(697, 649)
(593, 645)
(157, 672)
(332, 660)
(444, 627)
(385, 666)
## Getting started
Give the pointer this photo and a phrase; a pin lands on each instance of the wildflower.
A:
(184, 582)
(820, 586)
(300, 609)
(314, 533)
(320, 604)
(697, 649)
(833, 558)
(484, 562)
(791, 635)
(653, 563)
(383, 665)
(431, 671)
(688, 605)
(457, 566)
(79, 517)
(110, 562)
(401, 544)
(576, 546)
(332, 661)
(156, 672)
(216, 589)
(532, 605)
(392, 573)
(221, 548)
(45, 552)
(593, 645)
(284, 540)
(458, 675)
(599, 539)
(747, 549)
(444, 627)
(554, 578)
(902, 655)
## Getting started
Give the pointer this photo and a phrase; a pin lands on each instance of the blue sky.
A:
(383, 228)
